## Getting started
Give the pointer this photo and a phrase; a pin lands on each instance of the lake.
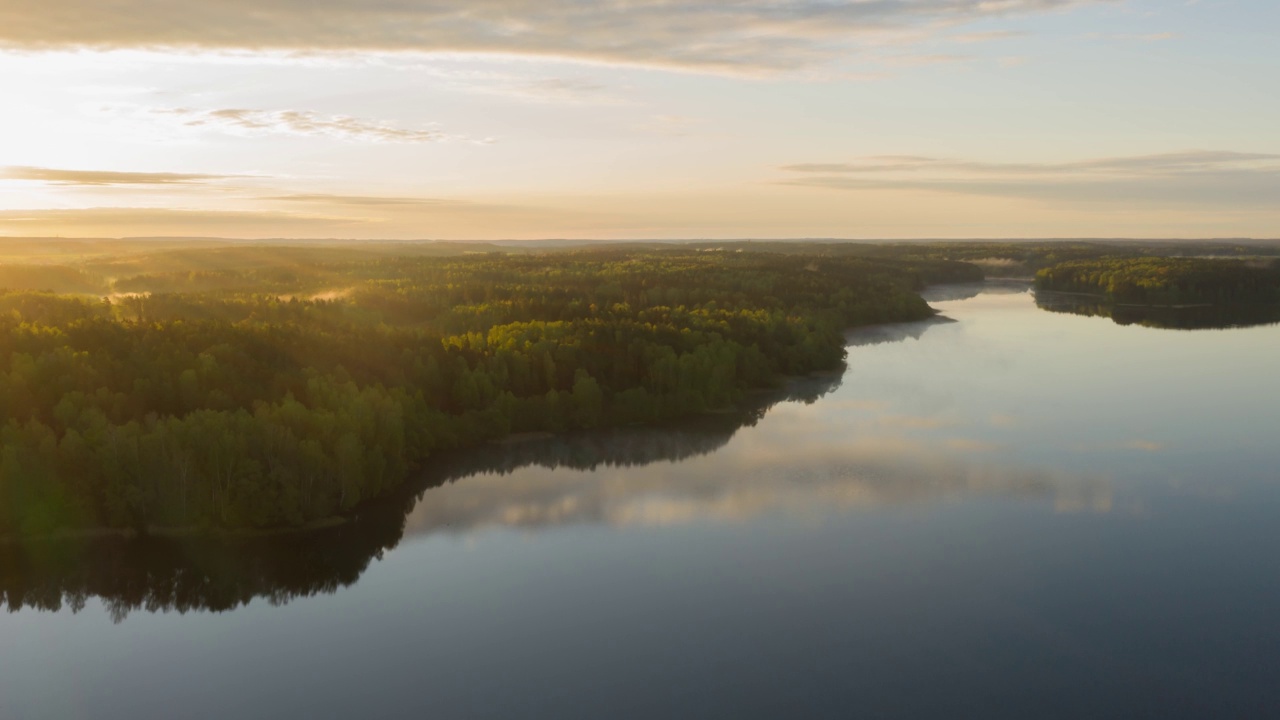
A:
(1006, 513)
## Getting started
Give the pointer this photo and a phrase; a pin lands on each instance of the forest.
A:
(1023, 258)
(1167, 280)
(223, 572)
(196, 389)
(206, 386)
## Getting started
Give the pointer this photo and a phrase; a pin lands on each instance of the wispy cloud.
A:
(544, 90)
(701, 34)
(302, 215)
(672, 125)
(307, 123)
(364, 200)
(1193, 176)
(1192, 160)
(1129, 37)
(971, 445)
(106, 177)
(134, 220)
(983, 37)
(392, 208)
(498, 76)
(912, 61)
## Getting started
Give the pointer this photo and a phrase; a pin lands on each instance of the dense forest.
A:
(1021, 259)
(1167, 281)
(205, 385)
(239, 388)
(188, 574)
(188, 265)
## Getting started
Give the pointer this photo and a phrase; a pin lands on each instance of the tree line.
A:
(1167, 280)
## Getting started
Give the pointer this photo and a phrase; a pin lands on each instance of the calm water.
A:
(1016, 514)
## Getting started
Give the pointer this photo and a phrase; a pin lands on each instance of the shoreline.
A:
(219, 533)
(512, 440)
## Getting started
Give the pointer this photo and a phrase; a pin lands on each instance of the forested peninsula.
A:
(240, 388)
(219, 572)
(203, 386)
(1167, 280)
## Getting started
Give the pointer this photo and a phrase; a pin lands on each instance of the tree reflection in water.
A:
(1190, 317)
(205, 574)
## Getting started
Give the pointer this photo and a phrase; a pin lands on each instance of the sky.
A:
(640, 119)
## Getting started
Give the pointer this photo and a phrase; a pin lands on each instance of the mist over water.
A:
(1001, 512)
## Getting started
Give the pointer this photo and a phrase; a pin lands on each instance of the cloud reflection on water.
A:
(795, 464)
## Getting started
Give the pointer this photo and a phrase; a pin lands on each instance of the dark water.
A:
(1016, 514)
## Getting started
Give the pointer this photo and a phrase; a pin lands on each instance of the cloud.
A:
(546, 90)
(912, 61)
(498, 77)
(1193, 160)
(1001, 420)
(161, 221)
(672, 125)
(1193, 176)
(286, 212)
(365, 200)
(106, 177)
(703, 34)
(971, 445)
(423, 209)
(305, 123)
(982, 37)
(1123, 37)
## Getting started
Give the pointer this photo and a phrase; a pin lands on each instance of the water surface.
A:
(1014, 513)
